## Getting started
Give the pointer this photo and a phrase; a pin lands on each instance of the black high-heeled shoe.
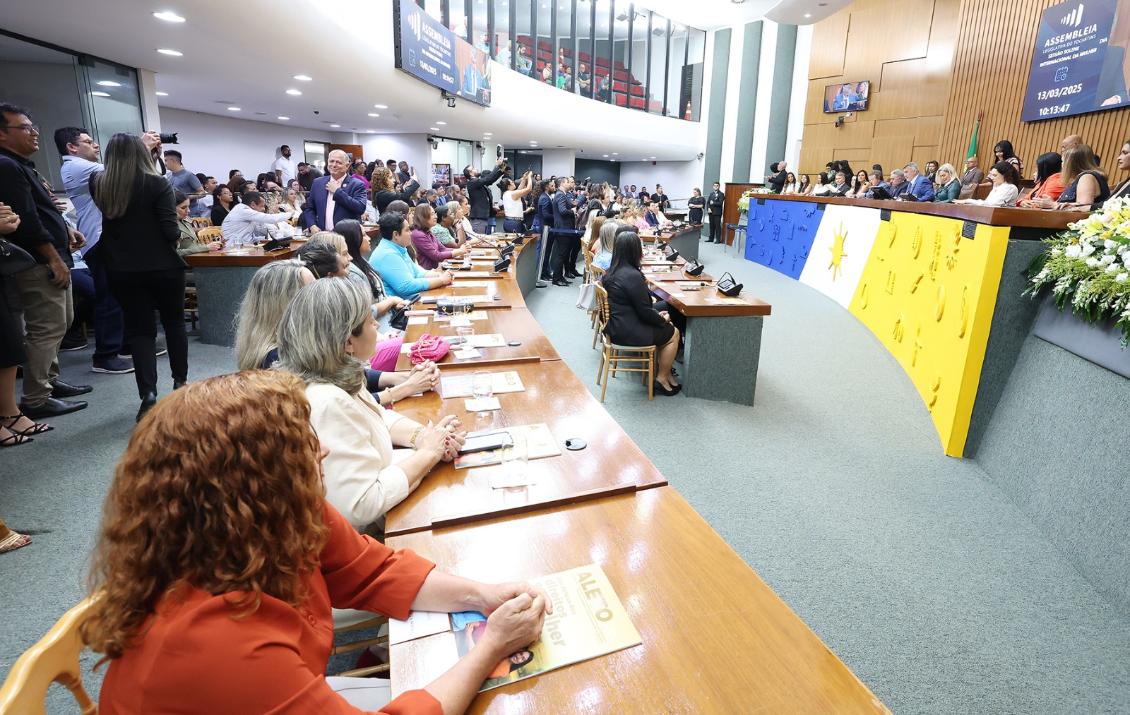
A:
(36, 427)
(660, 389)
(147, 403)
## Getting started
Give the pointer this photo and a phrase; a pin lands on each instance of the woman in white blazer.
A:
(327, 337)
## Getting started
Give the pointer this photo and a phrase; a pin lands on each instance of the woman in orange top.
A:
(1048, 182)
(219, 560)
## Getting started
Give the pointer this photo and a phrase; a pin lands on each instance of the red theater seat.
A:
(544, 45)
(602, 62)
(637, 103)
(620, 100)
(637, 91)
(620, 75)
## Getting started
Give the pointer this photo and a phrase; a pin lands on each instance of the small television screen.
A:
(847, 97)
(434, 54)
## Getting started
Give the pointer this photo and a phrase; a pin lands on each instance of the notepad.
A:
(471, 298)
(419, 320)
(475, 274)
(482, 404)
(418, 625)
(486, 340)
(466, 354)
(539, 443)
(460, 385)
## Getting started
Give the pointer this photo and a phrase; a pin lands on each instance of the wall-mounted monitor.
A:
(430, 52)
(847, 97)
(1079, 63)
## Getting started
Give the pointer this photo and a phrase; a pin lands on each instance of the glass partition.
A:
(501, 49)
(457, 17)
(583, 66)
(480, 36)
(543, 61)
(621, 51)
(565, 56)
(690, 92)
(677, 58)
(602, 59)
(524, 18)
(657, 64)
(435, 9)
(640, 29)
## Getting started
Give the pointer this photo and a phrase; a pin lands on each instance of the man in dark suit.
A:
(478, 195)
(545, 217)
(565, 230)
(661, 198)
(644, 196)
(334, 197)
(714, 205)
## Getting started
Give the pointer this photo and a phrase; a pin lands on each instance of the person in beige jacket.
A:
(326, 337)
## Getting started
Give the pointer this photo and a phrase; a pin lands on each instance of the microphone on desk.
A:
(672, 255)
(505, 252)
(693, 268)
(502, 264)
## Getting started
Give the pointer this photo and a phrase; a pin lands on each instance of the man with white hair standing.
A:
(334, 197)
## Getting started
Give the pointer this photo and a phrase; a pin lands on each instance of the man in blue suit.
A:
(917, 185)
(334, 197)
(565, 233)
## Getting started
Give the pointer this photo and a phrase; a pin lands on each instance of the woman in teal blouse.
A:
(949, 186)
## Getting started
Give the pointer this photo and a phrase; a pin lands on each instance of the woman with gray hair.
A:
(602, 247)
(256, 341)
(326, 337)
(949, 185)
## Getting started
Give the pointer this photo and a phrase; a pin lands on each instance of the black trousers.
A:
(141, 294)
(565, 246)
(547, 263)
(715, 228)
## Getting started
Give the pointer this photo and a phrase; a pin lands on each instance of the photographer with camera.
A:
(478, 193)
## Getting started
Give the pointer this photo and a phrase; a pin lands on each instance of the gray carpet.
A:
(917, 571)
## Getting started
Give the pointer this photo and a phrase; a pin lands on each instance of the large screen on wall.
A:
(847, 97)
(429, 51)
(1082, 60)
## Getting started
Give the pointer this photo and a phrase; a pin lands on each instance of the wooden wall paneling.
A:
(829, 38)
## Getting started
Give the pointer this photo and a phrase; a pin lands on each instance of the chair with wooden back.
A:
(54, 659)
(201, 222)
(621, 358)
(350, 621)
(597, 273)
(209, 234)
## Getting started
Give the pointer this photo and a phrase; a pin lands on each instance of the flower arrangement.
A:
(743, 202)
(1088, 267)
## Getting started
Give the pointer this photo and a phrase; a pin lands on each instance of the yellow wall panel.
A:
(928, 294)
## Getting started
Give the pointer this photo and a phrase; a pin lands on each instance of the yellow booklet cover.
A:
(588, 621)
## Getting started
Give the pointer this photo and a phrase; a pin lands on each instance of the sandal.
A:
(36, 427)
(13, 541)
(15, 439)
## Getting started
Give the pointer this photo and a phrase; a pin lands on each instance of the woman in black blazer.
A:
(139, 233)
(632, 320)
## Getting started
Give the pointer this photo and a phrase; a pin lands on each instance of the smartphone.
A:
(483, 442)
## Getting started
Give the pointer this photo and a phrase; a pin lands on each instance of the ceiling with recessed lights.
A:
(340, 75)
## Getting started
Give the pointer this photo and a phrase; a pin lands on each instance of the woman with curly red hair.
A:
(219, 561)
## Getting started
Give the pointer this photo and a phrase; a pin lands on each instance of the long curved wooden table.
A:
(716, 639)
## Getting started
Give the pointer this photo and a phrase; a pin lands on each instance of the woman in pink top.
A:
(429, 251)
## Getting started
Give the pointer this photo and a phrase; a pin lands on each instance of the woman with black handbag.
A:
(140, 234)
(15, 427)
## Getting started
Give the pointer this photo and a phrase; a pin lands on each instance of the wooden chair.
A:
(54, 659)
(201, 222)
(350, 621)
(594, 314)
(613, 357)
(209, 234)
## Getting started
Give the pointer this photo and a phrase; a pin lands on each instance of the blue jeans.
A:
(108, 325)
(512, 226)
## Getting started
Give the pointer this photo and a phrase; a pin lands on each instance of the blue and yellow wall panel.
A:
(928, 293)
(841, 250)
(779, 234)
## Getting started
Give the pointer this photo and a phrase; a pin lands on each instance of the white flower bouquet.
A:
(1088, 267)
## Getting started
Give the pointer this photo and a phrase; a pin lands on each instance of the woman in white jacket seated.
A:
(326, 337)
(1005, 187)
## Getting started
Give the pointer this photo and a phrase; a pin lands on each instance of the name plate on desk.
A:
(460, 385)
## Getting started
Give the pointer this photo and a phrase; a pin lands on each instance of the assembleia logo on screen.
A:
(1073, 18)
(414, 21)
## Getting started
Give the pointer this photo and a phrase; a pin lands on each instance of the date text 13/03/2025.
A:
(1057, 92)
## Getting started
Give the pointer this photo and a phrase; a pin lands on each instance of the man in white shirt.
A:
(284, 166)
(246, 223)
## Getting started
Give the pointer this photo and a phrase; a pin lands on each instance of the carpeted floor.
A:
(921, 576)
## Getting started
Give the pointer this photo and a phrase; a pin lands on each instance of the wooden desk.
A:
(611, 462)
(221, 279)
(506, 289)
(716, 639)
(514, 324)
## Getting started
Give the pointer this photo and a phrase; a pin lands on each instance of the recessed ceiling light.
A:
(605, 156)
(807, 15)
(380, 106)
(108, 83)
(234, 109)
(170, 53)
(335, 126)
(162, 94)
(488, 134)
(373, 114)
(303, 78)
(441, 123)
(100, 94)
(615, 153)
(168, 16)
(284, 119)
(434, 129)
(294, 92)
